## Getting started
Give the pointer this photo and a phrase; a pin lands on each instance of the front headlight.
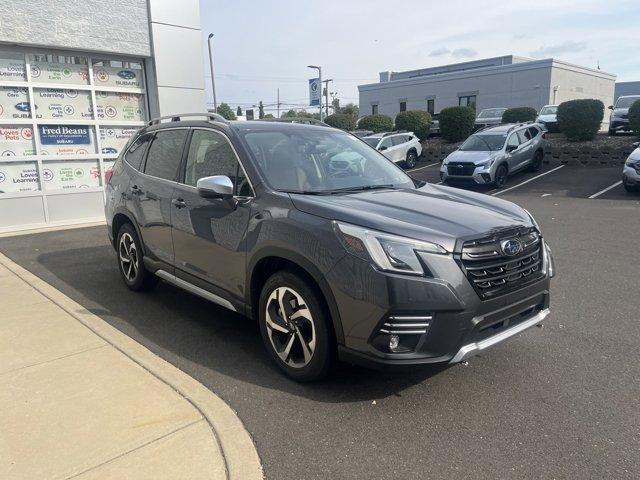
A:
(388, 252)
(533, 220)
(549, 262)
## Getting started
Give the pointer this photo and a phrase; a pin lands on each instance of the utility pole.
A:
(278, 103)
(213, 80)
(326, 95)
(320, 83)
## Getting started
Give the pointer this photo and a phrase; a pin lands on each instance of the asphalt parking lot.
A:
(555, 402)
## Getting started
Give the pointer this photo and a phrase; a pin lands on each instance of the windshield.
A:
(313, 161)
(626, 102)
(549, 110)
(491, 113)
(373, 141)
(483, 143)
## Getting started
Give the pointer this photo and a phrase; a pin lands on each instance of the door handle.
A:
(136, 190)
(178, 203)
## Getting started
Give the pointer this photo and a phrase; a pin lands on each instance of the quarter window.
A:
(165, 154)
(211, 154)
(135, 154)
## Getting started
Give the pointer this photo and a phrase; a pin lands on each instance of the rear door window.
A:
(524, 135)
(165, 154)
(135, 154)
(399, 140)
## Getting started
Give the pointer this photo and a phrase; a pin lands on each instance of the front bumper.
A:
(481, 175)
(619, 124)
(630, 176)
(460, 324)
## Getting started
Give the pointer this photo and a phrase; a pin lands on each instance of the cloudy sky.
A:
(260, 45)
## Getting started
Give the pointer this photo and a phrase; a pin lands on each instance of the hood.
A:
(489, 120)
(635, 155)
(469, 156)
(547, 118)
(432, 213)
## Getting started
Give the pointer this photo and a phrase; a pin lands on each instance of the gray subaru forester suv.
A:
(335, 251)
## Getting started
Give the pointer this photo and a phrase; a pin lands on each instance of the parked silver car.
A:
(631, 171)
(489, 116)
(490, 155)
(548, 119)
(399, 147)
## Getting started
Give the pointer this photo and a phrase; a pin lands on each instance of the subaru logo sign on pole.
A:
(314, 92)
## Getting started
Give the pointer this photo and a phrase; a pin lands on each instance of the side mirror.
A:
(382, 148)
(217, 186)
(511, 148)
(610, 107)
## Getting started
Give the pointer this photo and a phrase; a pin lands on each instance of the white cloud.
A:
(439, 52)
(464, 53)
(568, 46)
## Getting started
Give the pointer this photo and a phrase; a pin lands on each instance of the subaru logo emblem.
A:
(126, 74)
(511, 247)
(23, 106)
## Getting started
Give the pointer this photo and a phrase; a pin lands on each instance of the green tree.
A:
(335, 104)
(456, 123)
(226, 112)
(269, 115)
(519, 114)
(351, 109)
(416, 121)
(289, 114)
(341, 121)
(580, 120)
(634, 117)
(376, 123)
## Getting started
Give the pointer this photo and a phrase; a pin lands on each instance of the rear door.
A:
(209, 233)
(152, 190)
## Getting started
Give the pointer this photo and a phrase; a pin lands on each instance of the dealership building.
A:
(508, 81)
(77, 78)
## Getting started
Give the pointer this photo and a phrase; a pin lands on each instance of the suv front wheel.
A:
(501, 176)
(294, 327)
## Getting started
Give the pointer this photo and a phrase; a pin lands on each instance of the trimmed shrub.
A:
(376, 123)
(519, 115)
(634, 117)
(226, 112)
(416, 121)
(456, 123)
(342, 121)
(580, 120)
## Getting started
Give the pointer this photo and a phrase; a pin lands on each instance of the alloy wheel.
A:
(290, 327)
(411, 159)
(128, 255)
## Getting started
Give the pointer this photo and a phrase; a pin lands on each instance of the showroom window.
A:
(64, 118)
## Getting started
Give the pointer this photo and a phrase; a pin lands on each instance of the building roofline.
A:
(489, 70)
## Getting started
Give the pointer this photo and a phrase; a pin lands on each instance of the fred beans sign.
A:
(120, 106)
(66, 139)
(14, 103)
(117, 77)
(62, 103)
(70, 174)
(54, 72)
(18, 177)
(16, 140)
(113, 139)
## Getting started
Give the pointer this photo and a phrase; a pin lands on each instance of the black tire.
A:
(501, 176)
(612, 133)
(411, 160)
(536, 163)
(133, 271)
(314, 325)
(630, 188)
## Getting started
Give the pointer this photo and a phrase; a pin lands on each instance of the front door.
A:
(513, 157)
(209, 233)
(151, 192)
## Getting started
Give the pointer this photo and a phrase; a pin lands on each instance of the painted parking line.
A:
(422, 168)
(595, 195)
(500, 192)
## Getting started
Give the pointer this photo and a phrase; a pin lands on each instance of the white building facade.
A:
(507, 81)
(77, 79)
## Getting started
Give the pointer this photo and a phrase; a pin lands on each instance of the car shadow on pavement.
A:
(199, 337)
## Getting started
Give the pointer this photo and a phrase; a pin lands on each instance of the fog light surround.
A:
(394, 343)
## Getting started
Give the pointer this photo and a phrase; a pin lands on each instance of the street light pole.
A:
(213, 80)
(319, 84)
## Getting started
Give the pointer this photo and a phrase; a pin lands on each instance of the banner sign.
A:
(117, 77)
(54, 72)
(314, 92)
(63, 103)
(70, 174)
(12, 70)
(14, 103)
(128, 107)
(16, 140)
(64, 135)
(18, 177)
(113, 139)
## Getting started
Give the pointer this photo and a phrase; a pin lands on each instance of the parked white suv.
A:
(399, 147)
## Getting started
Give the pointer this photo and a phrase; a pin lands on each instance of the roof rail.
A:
(210, 116)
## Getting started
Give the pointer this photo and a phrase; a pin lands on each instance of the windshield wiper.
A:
(360, 188)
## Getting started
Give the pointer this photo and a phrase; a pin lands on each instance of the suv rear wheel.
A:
(130, 264)
(295, 327)
(536, 163)
(412, 158)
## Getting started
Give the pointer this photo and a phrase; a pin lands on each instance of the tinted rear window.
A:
(135, 154)
(165, 153)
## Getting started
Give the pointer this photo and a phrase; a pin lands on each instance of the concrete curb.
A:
(240, 455)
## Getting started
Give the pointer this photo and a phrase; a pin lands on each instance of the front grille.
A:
(492, 272)
(461, 168)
